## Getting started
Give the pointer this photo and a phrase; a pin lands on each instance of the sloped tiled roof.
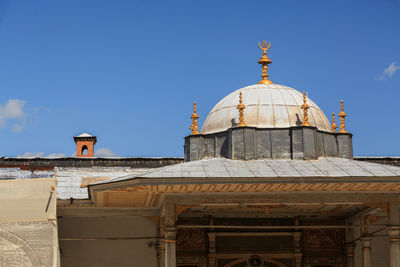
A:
(268, 168)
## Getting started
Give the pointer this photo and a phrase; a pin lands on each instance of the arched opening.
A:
(84, 150)
(249, 262)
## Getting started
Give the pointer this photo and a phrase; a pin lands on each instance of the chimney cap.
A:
(85, 137)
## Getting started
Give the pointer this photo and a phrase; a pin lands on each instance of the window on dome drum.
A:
(84, 150)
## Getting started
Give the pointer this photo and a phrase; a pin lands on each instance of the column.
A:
(170, 234)
(161, 252)
(170, 247)
(349, 254)
(211, 250)
(366, 251)
(394, 234)
(394, 238)
(297, 249)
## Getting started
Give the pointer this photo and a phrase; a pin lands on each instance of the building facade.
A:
(268, 181)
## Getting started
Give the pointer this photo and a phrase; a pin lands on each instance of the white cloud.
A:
(56, 155)
(17, 127)
(31, 155)
(13, 110)
(104, 152)
(101, 152)
(389, 71)
(40, 155)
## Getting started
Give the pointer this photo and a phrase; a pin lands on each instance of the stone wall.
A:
(28, 228)
(246, 143)
(50, 163)
(28, 244)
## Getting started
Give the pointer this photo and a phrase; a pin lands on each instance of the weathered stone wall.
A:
(28, 229)
(246, 143)
(50, 163)
(28, 244)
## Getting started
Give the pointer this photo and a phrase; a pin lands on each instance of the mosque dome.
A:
(267, 106)
(243, 125)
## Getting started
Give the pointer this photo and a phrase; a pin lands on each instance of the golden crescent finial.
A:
(264, 61)
(264, 45)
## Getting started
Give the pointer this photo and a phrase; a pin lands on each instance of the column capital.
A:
(393, 228)
(366, 242)
(170, 234)
(394, 233)
(349, 248)
(161, 245)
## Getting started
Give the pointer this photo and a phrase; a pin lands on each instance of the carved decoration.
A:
(140, 193)
(190, 261)
(190, 239)
(15, 251)
(382, 206)
(322, 239)
(255, 259)
(180, 209)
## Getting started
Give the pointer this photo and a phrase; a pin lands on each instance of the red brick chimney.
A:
(85, 145)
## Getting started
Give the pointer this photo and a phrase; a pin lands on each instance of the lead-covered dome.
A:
(267, 106)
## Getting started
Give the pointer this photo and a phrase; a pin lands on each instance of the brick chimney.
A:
(85, 145)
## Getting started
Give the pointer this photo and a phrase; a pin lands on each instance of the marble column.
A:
(394, 238)
(349, 254)
(366, 251)
(170, 247)
(161, 252)
(394, 233)
(297, 249)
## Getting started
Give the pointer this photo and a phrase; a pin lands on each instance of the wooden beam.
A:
(104, 212)
(280, 198)
(268, 227)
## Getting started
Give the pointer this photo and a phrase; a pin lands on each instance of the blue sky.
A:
(129, 71)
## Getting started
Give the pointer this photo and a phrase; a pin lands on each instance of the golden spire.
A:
(305, 108)
(334, 126)
(342, 115)
(194, 117)
(264, 61)
(241, 108)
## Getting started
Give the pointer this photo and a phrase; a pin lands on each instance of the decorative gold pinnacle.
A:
(241, 108)
(264, 61)
(342, 116)
(194, 117)
(334, 126)
(305, 108)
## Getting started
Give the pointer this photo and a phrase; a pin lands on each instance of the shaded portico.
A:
(294, 216)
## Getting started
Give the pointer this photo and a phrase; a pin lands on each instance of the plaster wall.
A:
(28, 229)
(107, 241)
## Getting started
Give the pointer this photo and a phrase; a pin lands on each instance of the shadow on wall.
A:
(298, 121)
(234, 124)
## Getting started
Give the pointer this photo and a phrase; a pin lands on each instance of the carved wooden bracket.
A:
(382, 206)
